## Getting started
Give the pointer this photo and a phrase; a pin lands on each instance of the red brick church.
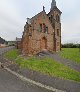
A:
(42, 32)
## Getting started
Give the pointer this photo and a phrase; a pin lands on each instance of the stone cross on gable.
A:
(43, 8)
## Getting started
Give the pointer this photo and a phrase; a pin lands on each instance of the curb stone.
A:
(34, 82)
(31, 81)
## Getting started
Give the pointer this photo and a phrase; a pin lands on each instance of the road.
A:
(10, 83)
(2, 50)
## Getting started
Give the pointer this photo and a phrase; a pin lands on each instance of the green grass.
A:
(50, 67)
(12, 54)
(46, 66)
(71, 54)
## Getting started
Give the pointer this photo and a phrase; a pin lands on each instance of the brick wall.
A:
(32, 44)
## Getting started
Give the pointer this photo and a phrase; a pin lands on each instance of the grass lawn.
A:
(46, 66)
(12, 54)
(71, 53)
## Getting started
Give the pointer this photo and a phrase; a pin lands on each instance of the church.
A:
(42, 32)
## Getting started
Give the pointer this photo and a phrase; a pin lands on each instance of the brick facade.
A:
(42, 32)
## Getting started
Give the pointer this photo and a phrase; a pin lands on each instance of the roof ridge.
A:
(36, 15)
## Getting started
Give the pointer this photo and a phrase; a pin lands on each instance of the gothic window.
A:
(40, 27)
(51, 18)
(57, 32)
(57, 18)
(44, 28)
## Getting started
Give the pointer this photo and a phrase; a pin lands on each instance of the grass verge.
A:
(71, 54)
(46, 66)
(12, 54)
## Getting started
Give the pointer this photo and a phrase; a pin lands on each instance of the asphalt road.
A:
(10, 83)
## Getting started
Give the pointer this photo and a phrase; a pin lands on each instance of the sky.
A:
(13, 14)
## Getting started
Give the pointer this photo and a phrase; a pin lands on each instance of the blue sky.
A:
(13, 14)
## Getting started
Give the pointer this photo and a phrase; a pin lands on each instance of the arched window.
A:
(40, 27)
(57, 18)
(51, 18)
(44, 27)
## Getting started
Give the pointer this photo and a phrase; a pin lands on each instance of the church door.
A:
(43, 43)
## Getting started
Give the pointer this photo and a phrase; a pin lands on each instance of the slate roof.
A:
(2, 41)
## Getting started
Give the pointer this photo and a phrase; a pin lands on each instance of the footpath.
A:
(58, 58)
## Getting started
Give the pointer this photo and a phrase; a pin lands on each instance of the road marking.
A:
(33, 82)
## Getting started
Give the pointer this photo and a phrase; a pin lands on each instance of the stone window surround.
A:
(43, 28)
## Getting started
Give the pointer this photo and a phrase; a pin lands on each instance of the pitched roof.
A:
(2, 41)
(55, 8)
(34, 17)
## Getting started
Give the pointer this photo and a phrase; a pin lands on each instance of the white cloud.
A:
(10, 21)
(71, 30)
(70, 21)
(13, 14)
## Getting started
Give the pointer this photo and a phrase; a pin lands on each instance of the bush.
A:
(70, 45)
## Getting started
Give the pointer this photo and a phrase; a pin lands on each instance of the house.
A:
(42, 32)
(3, 43)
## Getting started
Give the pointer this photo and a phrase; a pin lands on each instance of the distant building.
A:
(11, 43)
(43, 31)
(18, 43)
(3, 43)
